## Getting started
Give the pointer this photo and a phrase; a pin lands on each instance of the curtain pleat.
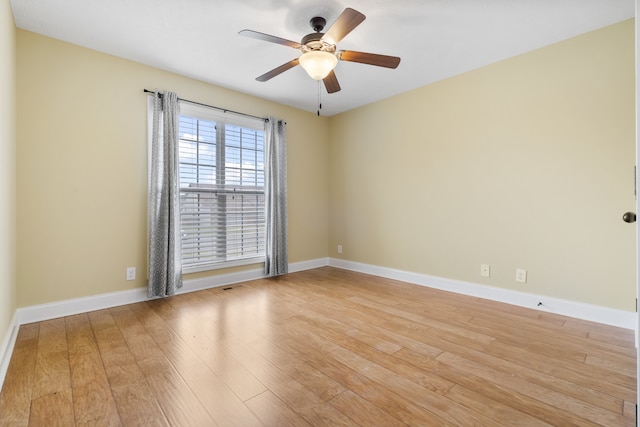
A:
(165, 268)
(277, 261)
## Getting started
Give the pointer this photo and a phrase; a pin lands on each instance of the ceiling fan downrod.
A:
(317, 23)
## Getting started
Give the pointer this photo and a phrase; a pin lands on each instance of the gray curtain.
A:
(165, 267)
(277, 261)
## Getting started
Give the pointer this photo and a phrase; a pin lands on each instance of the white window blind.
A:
(222, 204)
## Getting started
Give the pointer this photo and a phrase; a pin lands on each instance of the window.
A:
(222, 204)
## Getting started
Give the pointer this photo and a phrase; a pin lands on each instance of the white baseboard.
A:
(594, 313)
(308, 265)
(6, 348)
(193, 285)
(40, 312)
(54, 310)
(609, 316)
(244, 276)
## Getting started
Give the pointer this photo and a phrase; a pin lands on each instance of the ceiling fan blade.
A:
(346, 22)
(278, 70)
(369, 58)
(331, 83)
(269, 38)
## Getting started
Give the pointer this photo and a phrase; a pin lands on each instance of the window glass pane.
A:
(249, 158)
(206, 131)
(232, 136)
(232, 155)
(206, 175)
(188, 151)
(207, 154)
(187, 128)
(188, 175)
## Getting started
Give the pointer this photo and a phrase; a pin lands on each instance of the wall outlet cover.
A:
(485, 270)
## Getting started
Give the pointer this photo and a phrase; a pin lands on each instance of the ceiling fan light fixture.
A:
(318, 64)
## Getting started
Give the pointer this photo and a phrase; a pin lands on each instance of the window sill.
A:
(223, 264)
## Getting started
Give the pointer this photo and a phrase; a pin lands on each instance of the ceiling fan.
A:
(319, 55)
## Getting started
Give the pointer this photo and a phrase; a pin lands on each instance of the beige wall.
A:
(527, 163)
(7, 168)
(82, 168)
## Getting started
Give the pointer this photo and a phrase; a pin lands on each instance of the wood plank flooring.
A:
(324, 347)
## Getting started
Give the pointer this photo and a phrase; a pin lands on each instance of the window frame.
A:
(221, 118)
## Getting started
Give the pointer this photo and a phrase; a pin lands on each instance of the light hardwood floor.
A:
(320, 347)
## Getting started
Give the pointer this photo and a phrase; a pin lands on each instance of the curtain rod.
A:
(224, 110)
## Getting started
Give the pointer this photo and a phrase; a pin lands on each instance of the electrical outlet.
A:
(521, 275)
(131, 273)
(339, 249)
(485, 270)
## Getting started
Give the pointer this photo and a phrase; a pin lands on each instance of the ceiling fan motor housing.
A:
(314, 41)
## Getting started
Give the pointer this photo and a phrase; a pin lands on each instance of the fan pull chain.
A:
(319, 100)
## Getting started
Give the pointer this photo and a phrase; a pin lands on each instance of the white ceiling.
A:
(436, 39)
